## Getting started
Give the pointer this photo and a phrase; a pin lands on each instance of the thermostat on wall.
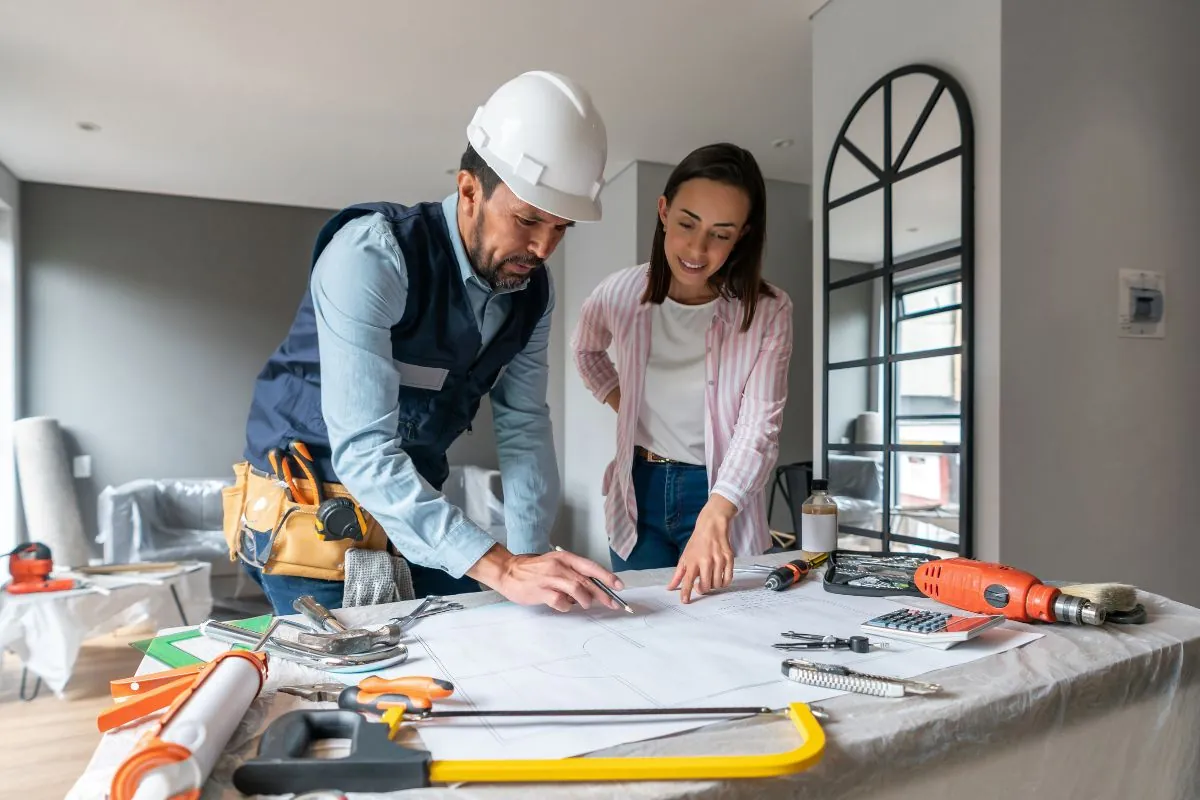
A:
(1141, 310)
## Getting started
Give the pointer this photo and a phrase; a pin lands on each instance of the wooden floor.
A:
(46, 743)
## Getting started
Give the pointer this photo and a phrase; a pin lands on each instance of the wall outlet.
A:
(83, 466)
(1141, 304)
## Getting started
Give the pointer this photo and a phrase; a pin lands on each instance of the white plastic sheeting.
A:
(48, 491)
(1080, 714)
(46, 630)
(162, 520)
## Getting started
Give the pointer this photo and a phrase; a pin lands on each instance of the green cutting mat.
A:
(163, 649)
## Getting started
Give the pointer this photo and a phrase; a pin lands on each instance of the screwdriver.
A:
(792, 572)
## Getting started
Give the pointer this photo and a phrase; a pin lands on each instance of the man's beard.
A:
(493, 271)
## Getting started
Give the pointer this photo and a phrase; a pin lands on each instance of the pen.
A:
(603, 588)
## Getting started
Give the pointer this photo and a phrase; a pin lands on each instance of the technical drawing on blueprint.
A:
(715, 651)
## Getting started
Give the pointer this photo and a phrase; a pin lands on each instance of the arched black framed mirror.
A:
(899, 257)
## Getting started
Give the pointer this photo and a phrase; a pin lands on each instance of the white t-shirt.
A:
(671, 417)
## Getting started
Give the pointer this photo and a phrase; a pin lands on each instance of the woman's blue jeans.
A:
(669, 499)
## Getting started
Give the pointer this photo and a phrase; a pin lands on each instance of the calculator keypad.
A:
(913, 620)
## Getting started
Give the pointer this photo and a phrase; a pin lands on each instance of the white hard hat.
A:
(544, 138)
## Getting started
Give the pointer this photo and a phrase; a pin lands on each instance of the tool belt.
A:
(258, 503)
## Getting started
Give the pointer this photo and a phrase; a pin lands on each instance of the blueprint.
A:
(715, 651)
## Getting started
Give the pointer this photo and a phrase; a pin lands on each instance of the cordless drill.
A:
(986, 588)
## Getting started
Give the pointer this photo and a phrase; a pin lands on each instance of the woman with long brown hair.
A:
(703, 345)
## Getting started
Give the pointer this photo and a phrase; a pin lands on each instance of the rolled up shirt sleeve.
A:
(590, 344)
(359, 288)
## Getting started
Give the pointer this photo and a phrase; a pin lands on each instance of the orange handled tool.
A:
(792, 572)
(987, 588)
(376, 695)
(395, 700)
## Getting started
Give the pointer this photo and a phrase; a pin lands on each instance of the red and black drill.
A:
(987, 588)
(30, 566)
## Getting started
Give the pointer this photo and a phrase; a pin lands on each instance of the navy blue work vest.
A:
(437, 330)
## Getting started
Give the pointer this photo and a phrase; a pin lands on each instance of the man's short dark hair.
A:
(473, 163)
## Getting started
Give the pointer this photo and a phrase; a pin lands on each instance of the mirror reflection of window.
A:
(898, 247)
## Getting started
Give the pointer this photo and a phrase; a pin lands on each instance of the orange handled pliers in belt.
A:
(282, 467)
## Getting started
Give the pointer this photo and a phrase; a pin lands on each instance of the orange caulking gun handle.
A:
(142, 705)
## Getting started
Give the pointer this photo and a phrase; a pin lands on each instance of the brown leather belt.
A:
(652, 457)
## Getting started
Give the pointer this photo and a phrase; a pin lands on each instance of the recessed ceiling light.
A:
(90, 127)
(781, 143)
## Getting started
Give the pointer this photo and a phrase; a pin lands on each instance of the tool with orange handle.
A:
(988, 588)
(793, 572)
(375, 763)
(30, 565)
(397, 700)
(204, 705)
(364, 696)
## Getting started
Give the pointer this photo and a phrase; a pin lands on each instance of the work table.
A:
(1110, 712)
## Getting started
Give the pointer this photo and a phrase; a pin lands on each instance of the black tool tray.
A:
(847, 572)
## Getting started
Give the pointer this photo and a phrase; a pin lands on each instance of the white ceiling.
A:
(317, 103)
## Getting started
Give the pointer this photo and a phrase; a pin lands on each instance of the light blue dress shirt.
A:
(359, 288)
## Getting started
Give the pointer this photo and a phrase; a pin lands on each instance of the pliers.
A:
(316, 692)
(281, 464)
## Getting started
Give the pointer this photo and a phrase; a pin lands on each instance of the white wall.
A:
(10, 206)
(856, 42)
(594, 251)
(1101, 172)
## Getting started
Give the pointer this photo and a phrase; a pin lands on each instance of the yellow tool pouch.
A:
(257, 504)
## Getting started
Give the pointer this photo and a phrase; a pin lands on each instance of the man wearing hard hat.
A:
(413, 315)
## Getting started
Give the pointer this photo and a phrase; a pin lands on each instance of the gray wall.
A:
(9, 187)
(147, 318)
(788, 265)
(1101, 172)
(593, 252)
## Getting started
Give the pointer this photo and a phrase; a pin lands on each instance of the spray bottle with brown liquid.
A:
(818, 520)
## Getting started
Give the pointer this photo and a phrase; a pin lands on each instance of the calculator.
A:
(930, 628)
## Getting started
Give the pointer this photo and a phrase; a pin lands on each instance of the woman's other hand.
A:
(707, 557)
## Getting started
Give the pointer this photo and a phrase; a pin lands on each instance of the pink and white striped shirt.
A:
(746, 374)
